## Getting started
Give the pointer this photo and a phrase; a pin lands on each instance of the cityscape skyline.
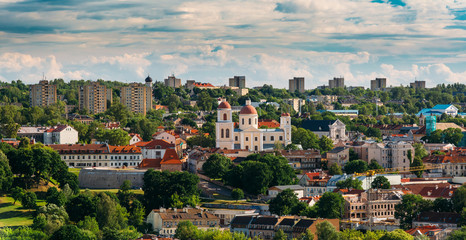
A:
(269, 42)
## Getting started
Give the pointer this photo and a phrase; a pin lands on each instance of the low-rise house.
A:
(98, 155)
(265, 227)
(165, 221)
(170, 162)
(429, 190)
(60, 134)
(333, 129)
(81, 118)
(226, 215)
(135, 138)
(315, 184)
(373, 203)
(297, 189)
(438, 219)
(453, 163)
(155, 148)
(169, 136)
(338, 155)
(305, 160)
(431, 232)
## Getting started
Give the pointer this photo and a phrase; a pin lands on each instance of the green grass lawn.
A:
(74, 170)
(135, 191)
(14, 215)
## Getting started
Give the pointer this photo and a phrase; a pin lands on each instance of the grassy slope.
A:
(14, 215)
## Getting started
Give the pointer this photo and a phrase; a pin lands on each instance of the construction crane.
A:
(370, 173)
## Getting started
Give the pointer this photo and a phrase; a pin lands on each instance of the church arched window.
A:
(224, 116)
(242, 121)
(249, 121)
(256, 121)
(227, 134)
(222, 133)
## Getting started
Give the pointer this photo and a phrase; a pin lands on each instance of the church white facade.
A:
(248, 135)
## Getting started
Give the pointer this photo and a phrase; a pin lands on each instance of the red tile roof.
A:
(80, 148)
(270, 123)
(150, 163)
(424, 230)
(224, 105)
(125, 149)
(158, 143)
(171, 157)
(196, 84)
(457, 155)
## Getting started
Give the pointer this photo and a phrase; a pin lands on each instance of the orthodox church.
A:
(248, 135)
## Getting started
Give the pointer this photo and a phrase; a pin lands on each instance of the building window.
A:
(256, 148)
(224, 116)
(227, 134)
(247, 139)
(236, 138)
(255, 139)
(264, 138)
(281, 138)
(242, 120)
(272, 138)
(222, 133)
(249, 121)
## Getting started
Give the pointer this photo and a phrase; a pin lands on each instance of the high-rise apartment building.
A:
(42, 94)
(93, 97)
(336, 82)
(173, 82)
(378, 84)
(418, 84)
(137, 97)
(297, 83)
(237, 81)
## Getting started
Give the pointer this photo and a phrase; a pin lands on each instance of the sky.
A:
(268, 41)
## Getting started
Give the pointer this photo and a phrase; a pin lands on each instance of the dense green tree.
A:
(350, 183)
(160, 186)
(410, 207)
(374, 165)
(216, 165)
(25, 233)
(459, 198)
(256, 177)
(28, 200)
(237, 194)
(109, 213)
(398, 234)
(80, 206)
(305, 138)
(201, 140)
(121, 234)
(50, 218)
(71, 232)
(136, 213)
(280, 235)
(419, 150)
(353, 155)
(89, 224)
(356, 166)
(417, 162)
(116, 137)
(6, 176)
(283, 173)
(326, 231)
(459, 234)
(283, 203)
(17, 193)
(308, 235)
(119, 113)
(330, 205)
(55, 197)
(335, 169)
(186, 231)
(143, 126)
(380, 182)
(442, 205)
(325, 144)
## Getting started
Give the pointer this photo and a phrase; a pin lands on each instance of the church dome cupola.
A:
(148, 79)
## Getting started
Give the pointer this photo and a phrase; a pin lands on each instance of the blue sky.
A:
(268, 41)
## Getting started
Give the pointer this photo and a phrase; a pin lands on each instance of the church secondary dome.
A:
(285, 114)
(248, 109)
(148, 79)
(224, 104)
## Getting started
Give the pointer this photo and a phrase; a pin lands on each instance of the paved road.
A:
(211, 187)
